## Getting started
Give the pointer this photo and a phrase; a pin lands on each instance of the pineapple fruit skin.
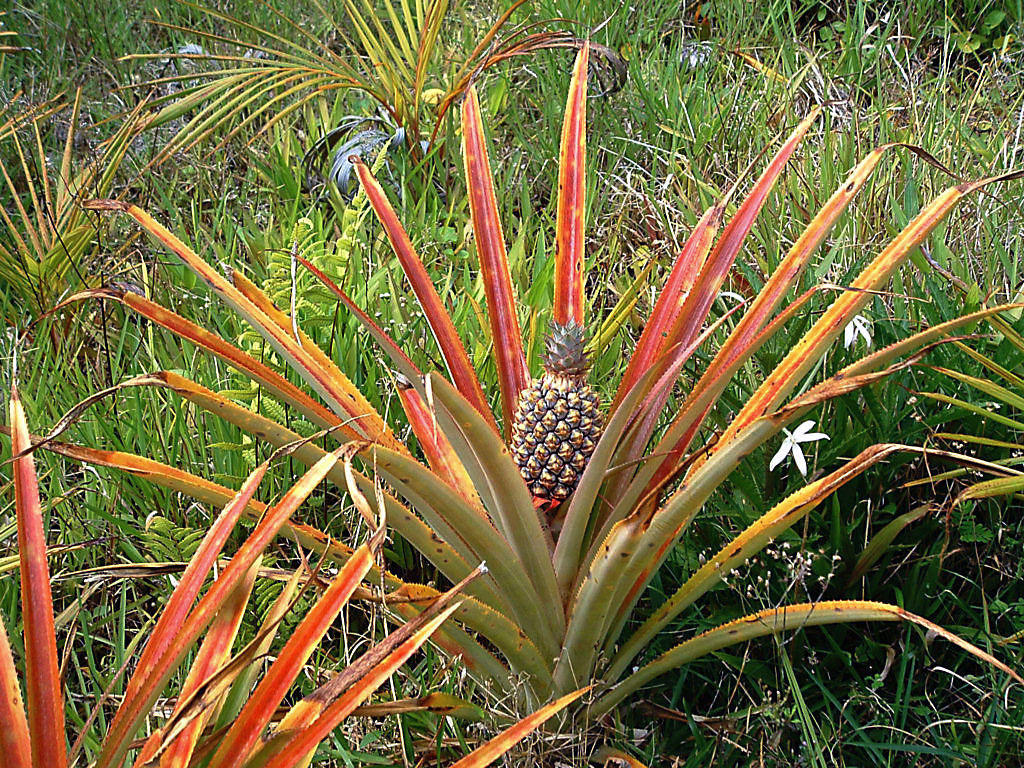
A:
(557, 424)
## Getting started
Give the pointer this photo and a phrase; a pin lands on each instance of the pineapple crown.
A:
(564, 350)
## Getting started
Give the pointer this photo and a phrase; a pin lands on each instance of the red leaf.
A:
(572, 185)
(15, 743)
(454, 353)
(42, 675)
(490, 247)
(685, 271)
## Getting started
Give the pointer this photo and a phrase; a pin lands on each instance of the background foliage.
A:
(709, 86)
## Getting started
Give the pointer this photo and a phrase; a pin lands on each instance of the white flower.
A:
(791, 445)
(858, 326)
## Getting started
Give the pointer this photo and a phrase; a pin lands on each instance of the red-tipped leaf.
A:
(435, 445)
(572, 185)
(684, 274)
(698, 303)
(490, 247)
(803, 356)
(455, 357)
(15, 743)
(42, 674)
(213, 653)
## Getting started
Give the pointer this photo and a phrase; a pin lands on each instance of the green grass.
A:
(673, 139)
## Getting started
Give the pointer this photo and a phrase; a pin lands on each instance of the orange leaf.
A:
(280, 387)
(172, 628)
(503, 742)
(296, 742)
(333, 386)
(807, 351)
(396, 353)
(42, 675)
(15, 743)
(213, 653)
(572, 187)
(364, 414)
(490, 247)
(454, 353)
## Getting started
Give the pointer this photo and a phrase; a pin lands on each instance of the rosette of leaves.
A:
(565, 580)
(49, 244)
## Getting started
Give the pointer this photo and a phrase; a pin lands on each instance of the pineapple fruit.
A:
(558, 418)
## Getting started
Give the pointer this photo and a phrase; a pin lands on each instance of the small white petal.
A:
(814, 436)
(798, 459)
(865, 333)
(784, 449)
(802, 428)
(858, 326)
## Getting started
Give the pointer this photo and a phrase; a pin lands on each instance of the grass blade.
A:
(881, 541)
(987, 489)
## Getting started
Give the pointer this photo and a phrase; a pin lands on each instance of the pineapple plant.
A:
(558, 418)
(557, 608)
